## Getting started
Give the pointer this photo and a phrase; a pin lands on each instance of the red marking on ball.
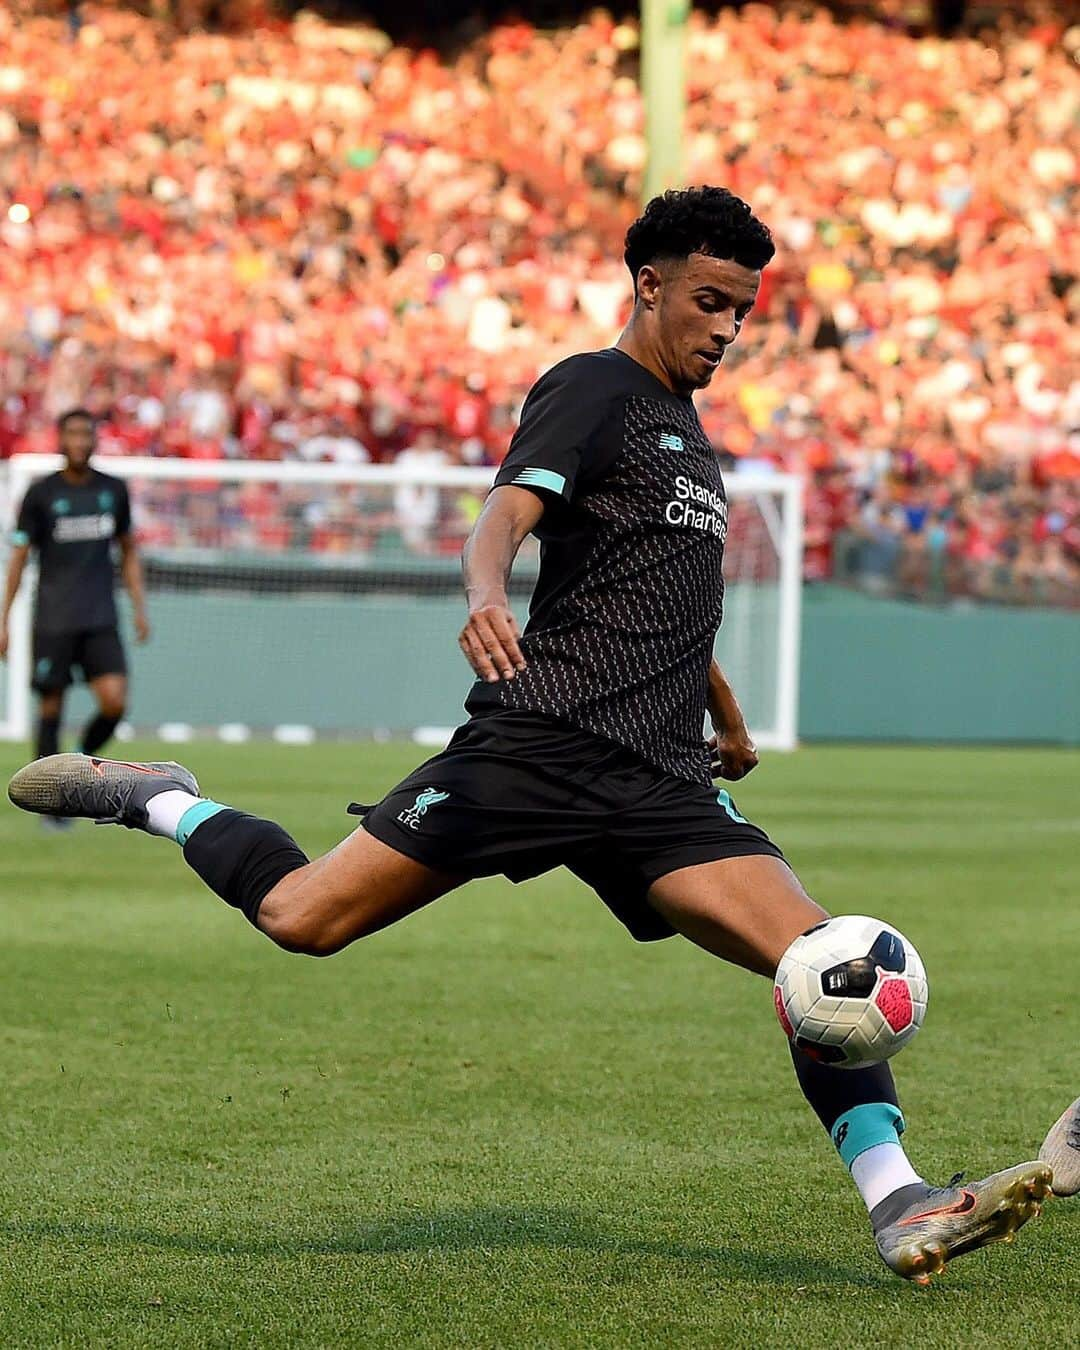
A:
(781, 1012)
(894, 1000)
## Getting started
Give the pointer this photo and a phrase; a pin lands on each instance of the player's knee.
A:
(113, 708)
(297, 927)
(299, 935)
(308, 941)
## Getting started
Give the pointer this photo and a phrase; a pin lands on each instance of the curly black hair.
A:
(708, 220)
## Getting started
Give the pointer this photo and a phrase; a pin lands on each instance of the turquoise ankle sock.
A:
(864, 1127)
(194, 816)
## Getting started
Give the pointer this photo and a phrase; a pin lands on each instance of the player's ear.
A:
(648, 286)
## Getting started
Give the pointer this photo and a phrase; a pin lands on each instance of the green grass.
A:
(502, 1123)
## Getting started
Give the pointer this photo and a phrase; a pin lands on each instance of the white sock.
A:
(880, 1171)
(165, 809)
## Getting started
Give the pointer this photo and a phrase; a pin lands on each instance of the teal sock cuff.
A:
(866, 1126)
(193, 817)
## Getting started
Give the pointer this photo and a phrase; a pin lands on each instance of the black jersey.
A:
(630, 592)
(72, 528)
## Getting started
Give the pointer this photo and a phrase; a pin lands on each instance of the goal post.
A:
(324, 601)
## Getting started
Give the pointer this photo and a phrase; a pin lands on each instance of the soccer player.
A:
(72, 518)
(1061, 1150)
(585, 743)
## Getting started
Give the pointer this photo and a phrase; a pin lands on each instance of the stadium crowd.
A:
(301, 241)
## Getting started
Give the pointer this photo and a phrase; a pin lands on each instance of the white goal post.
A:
(313, 600)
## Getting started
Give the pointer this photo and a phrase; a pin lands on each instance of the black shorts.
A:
(98, 651)
(518, 794)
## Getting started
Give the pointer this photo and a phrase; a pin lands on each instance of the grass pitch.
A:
(502, 1123)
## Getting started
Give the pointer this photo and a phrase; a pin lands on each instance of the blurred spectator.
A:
(416, 505)
(302, 241)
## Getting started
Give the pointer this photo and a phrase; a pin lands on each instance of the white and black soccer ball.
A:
(851, 991)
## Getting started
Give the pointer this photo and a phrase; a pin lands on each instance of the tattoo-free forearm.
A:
(723, 705)
(14, 580)
(486, 563)
(131, 572)
(490, 550)
(489, 639)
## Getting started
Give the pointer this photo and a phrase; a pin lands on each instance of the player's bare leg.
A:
(356, 889)
(110, 691)
(315, 908)
(748, 911)
(1061, 1150)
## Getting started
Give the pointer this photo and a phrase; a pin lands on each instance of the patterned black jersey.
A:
(72, 526)
(630, 593)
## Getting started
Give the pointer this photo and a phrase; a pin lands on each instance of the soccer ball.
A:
(851, 991)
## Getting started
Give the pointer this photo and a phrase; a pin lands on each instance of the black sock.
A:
(833, 1092)
(96, 732)
(242, 858)
(48, 736)
(858, 1107)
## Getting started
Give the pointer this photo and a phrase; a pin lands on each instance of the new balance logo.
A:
(425, 799)
(669, 441)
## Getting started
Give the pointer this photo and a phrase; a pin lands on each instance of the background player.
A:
(585, 747)
(71, 519)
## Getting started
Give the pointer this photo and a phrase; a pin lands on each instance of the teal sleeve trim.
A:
(541, 478)
(193, 817)
(865, 1127)
(19, 538)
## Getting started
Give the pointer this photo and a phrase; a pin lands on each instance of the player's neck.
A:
(633, 344)
(76, 477)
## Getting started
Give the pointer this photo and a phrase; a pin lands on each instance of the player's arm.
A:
(558, 419)
(28, 533)
(733, 751)
(490, 636)
(16, 567)
(132, 576)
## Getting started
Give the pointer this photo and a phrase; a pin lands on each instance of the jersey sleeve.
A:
(558, 420)
(30, 527)
(123, 511)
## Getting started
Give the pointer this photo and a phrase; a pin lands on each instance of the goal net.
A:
(324, 601)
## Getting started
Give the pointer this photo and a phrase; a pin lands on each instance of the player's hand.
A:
(3, 641)
(733, 754)
(142, 628)
(490, 643)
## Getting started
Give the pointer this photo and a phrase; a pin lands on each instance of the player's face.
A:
(702, 306)
(77, 442)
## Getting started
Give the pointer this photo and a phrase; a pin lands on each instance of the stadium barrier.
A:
(325, 600)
